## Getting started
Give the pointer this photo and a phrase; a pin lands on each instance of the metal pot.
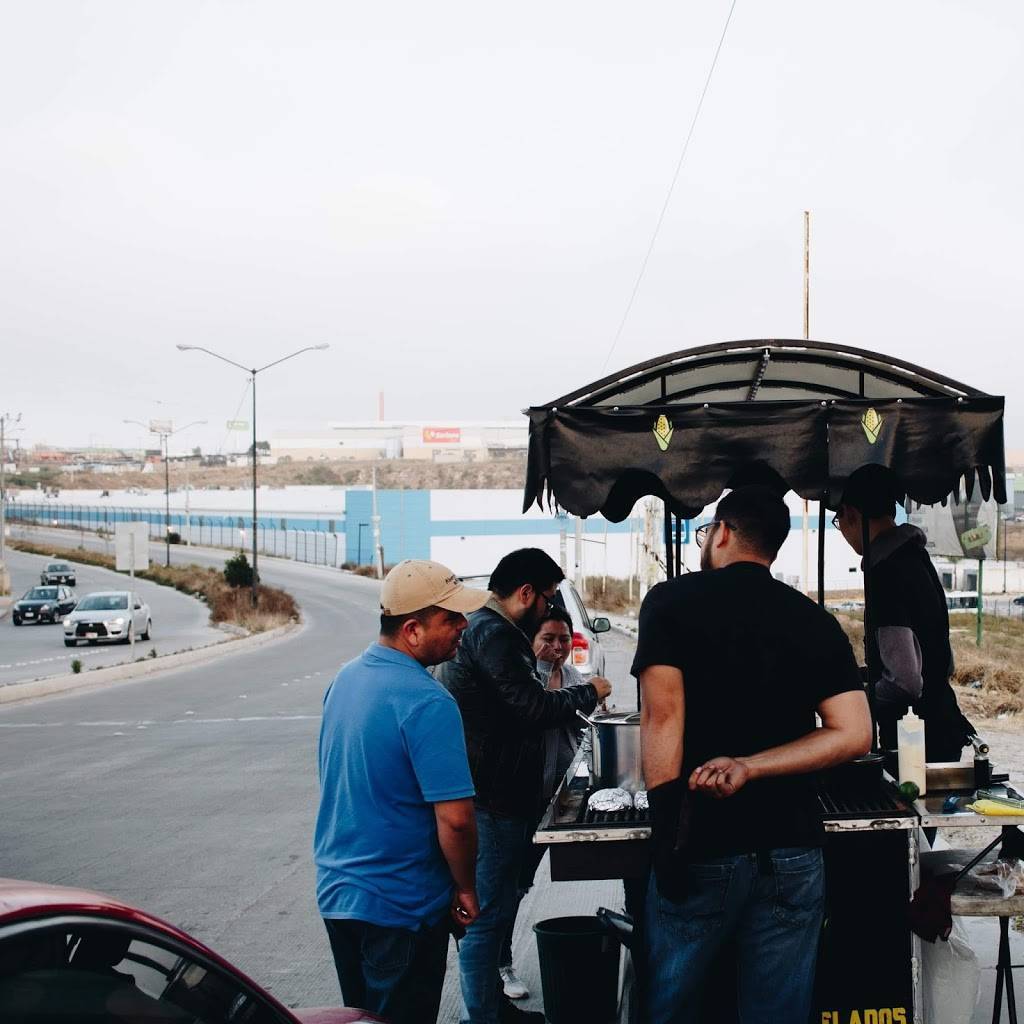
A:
(615, 746)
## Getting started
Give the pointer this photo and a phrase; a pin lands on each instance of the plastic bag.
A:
(1003, 876)
(952, 978)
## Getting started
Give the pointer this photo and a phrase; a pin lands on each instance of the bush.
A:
(238, 571)
(173, 537)
(76, 665)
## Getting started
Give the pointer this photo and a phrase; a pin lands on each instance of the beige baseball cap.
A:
(416, 584)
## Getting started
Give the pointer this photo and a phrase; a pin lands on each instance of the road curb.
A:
(81, 682)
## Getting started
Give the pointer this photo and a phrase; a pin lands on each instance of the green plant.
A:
(173, 537)
(76, 665)
(152, 653)
(238, 571)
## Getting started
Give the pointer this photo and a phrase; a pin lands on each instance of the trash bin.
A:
(579, 970)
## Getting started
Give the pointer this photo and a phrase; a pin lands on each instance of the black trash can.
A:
(579, 970)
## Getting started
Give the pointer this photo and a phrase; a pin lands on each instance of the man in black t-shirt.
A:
(733, 666)
(907, 649)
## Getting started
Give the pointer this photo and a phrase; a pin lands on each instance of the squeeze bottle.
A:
(910, 744)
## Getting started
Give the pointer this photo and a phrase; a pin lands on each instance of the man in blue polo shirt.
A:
(395, 843)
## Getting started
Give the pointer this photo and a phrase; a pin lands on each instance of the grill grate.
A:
(881, 801)
(630, 816)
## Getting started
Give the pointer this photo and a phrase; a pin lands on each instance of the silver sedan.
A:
(108, 616)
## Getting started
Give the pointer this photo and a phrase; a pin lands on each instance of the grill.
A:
(630, 816)
(91, 627)
(881, 801)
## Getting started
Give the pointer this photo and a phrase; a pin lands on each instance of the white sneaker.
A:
(511, 984)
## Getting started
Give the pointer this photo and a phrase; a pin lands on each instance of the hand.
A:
(720, 777)
(603, 687)
(549, 654)
(465, 909)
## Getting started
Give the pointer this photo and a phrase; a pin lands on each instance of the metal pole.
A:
(821, 552)
(255, 599)
(981, 599)
(3, 488)
(167, 498)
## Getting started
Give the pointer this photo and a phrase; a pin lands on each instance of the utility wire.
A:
(671, 187)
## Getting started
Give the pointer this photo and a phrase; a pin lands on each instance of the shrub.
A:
(173, 537)
(238, 571)
(76, 665)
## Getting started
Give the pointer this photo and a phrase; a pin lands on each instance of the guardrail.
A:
(314, 546)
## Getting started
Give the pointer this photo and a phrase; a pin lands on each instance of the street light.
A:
(165, 435)
(5, 418)
(252, 371)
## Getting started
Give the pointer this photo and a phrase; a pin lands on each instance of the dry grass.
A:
(392, 474)
(227, 604)
(989, 680)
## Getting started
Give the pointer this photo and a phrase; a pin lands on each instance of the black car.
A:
(43, 604)
(1019, 600)
(58, 572)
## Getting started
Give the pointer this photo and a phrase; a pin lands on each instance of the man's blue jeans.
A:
(769, 904)
(502, 844)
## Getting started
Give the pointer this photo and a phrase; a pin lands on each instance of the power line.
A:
(671, 187)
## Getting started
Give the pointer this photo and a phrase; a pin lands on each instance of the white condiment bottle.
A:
(910, 743)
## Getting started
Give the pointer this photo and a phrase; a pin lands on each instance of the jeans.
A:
(532, 857)
(393, 972)
(502, 844)
(770, 905)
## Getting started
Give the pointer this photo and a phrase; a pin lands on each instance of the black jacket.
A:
(505, 711)
(909, 652)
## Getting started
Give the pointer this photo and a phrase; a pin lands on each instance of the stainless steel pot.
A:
(615, 742)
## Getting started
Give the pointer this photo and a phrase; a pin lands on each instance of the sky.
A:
(457, 198)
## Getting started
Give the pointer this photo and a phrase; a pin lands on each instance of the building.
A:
(425, 441)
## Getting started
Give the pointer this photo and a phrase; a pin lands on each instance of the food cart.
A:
(803, 415)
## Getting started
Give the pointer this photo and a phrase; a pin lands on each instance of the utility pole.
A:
(805, 581)
(4, 419)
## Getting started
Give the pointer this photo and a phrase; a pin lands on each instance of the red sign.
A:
(442, 435)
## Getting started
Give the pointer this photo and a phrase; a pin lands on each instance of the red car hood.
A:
(21, 900)
(333, 1015)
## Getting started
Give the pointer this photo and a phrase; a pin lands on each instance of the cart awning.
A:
(801, 414)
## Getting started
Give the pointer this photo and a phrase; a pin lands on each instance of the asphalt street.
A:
(193, 794)
(32, 651)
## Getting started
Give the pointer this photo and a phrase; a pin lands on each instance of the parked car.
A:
(1019, 600)
(69, 954)
(58, 572)
(108, 616)
(43, 604)
(587, 656)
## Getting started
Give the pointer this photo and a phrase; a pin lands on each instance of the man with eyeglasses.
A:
(505, 713)
(733, 665)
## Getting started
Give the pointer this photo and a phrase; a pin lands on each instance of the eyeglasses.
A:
(701, 533)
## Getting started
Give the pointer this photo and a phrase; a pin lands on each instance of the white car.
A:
(108, 616)
(587, 657)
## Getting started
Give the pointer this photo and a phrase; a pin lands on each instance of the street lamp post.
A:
(165, 436)
(4, 419)
(252, 371)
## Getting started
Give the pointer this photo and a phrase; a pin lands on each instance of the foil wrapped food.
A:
(610, 800)
(640, 800)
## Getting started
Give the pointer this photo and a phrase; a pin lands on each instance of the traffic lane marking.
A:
(146, 723)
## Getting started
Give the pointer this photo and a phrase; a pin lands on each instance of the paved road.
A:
(194, 793)
(29, 652)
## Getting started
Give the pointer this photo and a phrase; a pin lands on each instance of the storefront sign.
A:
(442, 435)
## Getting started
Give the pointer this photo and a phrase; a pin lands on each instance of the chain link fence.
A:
(320, 546)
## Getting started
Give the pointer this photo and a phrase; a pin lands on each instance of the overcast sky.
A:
(458, 196)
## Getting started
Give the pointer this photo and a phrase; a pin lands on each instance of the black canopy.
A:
(804, 413)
